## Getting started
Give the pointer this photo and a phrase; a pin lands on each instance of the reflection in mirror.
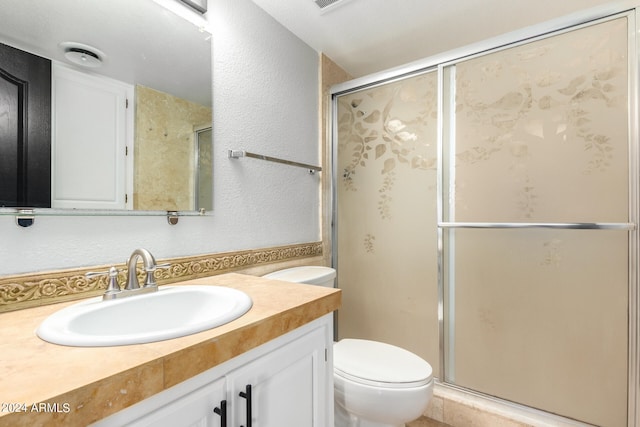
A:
(124, 128)
(204, 168)
(165, 153)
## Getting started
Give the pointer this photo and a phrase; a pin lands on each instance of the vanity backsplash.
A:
(30, 290)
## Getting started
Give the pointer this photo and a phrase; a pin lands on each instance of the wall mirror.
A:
(160, 66)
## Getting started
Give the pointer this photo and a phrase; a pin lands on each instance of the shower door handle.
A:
(247, 395)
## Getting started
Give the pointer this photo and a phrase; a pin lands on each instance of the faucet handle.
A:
(113, 285)
(150, 280)
(164, 265)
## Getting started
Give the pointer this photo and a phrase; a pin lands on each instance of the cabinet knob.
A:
(222, 411)
(247, 395)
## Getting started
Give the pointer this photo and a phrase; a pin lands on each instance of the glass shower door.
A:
(535, 222)
(203, 168)
(386, 214)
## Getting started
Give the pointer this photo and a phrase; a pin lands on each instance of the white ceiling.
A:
(362, 36)
(366, 36)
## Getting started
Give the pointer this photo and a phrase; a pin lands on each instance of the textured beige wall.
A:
(164, 150)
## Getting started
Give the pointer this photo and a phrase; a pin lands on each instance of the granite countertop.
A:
(84, 384)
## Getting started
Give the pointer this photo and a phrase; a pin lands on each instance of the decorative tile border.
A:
(29, 290)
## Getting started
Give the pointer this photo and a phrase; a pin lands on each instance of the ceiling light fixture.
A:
(188, 13)
(327, 5)
(199, 5)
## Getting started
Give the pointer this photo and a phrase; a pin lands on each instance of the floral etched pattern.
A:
(387, 127)
(368, 243)
(386, 212)
(554, 105)
(553, 255)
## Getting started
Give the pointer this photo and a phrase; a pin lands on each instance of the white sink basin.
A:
(171, 312)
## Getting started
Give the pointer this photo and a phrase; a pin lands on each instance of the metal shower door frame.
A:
(628, 8)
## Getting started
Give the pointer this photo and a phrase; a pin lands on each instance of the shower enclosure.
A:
(203, 170)
(485, 205)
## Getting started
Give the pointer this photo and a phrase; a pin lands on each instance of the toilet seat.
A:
(379, 364)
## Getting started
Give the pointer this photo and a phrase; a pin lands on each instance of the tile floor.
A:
(426, 422)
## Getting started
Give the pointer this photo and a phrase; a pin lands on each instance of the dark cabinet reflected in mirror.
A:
(129, 86)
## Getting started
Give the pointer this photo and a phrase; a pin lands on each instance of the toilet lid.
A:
(380, 363)
(310, 274)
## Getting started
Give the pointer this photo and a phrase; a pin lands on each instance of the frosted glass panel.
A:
(538, 133)
(387, 218)
(541, 319)
(541, 130)
(204, 190)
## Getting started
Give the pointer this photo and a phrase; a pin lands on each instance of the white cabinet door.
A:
(195, 409)
(91, 128)
(287, 386)
(291, 382)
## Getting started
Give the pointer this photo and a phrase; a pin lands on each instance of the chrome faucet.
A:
(131, 287)
(150, 266)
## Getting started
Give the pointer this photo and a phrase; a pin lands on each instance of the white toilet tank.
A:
(310, 274)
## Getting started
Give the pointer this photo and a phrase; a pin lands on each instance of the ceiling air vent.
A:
(326, 5)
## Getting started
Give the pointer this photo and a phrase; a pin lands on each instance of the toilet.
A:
(375, 384)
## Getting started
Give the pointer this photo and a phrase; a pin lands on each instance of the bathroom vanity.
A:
(275, 362)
